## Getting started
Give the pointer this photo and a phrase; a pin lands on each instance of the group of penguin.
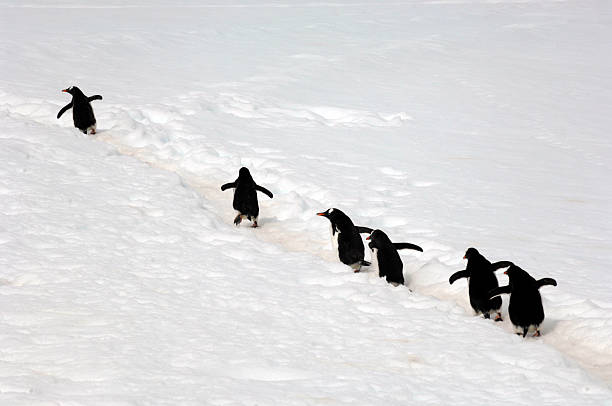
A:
(525, 306)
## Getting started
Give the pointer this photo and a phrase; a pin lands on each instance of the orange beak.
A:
(368, 237)
(65, 90)
(464, 257)
(506, 273)
(320, 214)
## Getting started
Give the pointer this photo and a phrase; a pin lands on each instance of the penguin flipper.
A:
(499, 291)
(92, 98)
(406, 246)
(365, 263)
(363, 230)
(546, 281)
(501, 264)
(228, 186)
(63, 110)
(264, 190)
(458, 275)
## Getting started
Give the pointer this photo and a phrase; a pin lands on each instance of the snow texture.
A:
(448, 124)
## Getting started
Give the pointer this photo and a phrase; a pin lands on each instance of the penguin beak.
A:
(369, 237)
(506, 273)
(464, 257)
(65, 90)
(322, 214)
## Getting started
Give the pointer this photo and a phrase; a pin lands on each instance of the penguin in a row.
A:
(525, 309)
(82, 113)
(386, 257)
(245, 197)
(481, 279)
(346, 239)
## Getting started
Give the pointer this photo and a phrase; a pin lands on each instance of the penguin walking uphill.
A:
(481, 279)
(245, 196)
(384, 253)
(82, 112)
(346, 239)
(525, 308)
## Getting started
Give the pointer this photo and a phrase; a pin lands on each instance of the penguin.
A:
(346, 239)
(525, 307)
(384, 253)
(245, 196)
(481, 279)
(82, 113)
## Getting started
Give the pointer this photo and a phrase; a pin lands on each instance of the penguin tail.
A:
(525, 330)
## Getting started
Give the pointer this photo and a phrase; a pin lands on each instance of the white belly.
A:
(374, 260)
(334, 241)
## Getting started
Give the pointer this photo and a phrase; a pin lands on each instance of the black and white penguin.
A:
(481, 279)
(82, 112)
(525, 307)
(245, 196)
(386, 257)
(346, 240)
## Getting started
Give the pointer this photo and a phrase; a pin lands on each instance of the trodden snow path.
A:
(445, 125)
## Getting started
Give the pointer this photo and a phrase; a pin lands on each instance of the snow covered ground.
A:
(448, 124)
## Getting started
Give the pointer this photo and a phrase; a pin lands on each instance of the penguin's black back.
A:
(389, 262)
(482, 280)
(350, 246)
(82, 112)
(525, 307)
(245, 194)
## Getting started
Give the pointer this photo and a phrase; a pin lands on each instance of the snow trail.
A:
(143, 282)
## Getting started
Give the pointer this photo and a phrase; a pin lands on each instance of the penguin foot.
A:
(93, 131)
(238, 220)
(254, 224)
(537, 334)
(486, 315)
(498, 317)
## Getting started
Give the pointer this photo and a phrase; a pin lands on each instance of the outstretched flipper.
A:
(365, 263)
(499, 291)
(406, 246)
(63, 110)
(501, 264)
(546, 281)
(228, 186)
(364, 230)
(264, 190)
(458, 275)
(92, 98)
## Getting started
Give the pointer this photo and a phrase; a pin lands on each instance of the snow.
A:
(448, 124)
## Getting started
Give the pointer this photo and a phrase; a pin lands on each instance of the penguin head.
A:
(336, 216)
(244, 175)
(329, 213)
(518, 276)
(471, 253)
(73, 90)
(378, 239)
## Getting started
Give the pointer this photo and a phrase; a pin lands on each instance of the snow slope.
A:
(446, 125)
